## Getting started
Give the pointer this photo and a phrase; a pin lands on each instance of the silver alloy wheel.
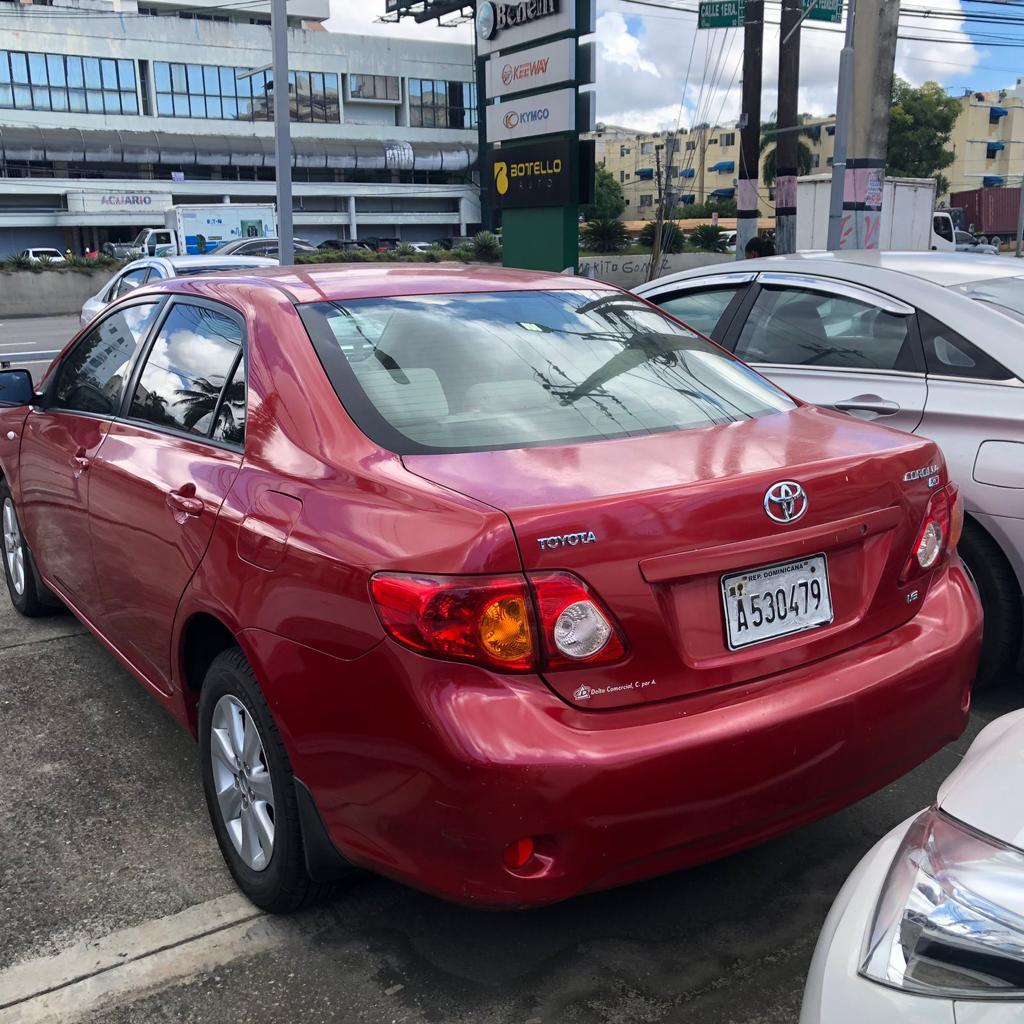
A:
(241, 779)
(14, 549)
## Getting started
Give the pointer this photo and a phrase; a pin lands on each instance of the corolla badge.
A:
(785, 502)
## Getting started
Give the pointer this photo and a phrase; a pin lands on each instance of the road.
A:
(37, 334)
(117, 905)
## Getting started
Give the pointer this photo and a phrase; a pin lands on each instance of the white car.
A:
(966, 242)
(156, 268)
(929, 928)
(35, 255)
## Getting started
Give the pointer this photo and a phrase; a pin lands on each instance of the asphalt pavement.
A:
(37, 335)
(117, 908)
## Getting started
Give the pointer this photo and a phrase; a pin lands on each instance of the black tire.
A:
(1001, 600)
(283, 885)
(34, 598)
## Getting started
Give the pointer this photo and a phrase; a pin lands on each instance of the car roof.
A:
(942, 268)
(329, 282)
(212, 261)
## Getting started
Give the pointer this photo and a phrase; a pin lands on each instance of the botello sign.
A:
(543, 174)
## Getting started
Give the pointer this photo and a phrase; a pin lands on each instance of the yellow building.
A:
(702, 163)
(987, 140)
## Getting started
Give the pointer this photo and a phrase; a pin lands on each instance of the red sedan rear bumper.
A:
(425, 771)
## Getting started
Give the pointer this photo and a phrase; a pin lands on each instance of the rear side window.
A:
(700, 310)
(793, 326)
(93, 377)
(189, 363)
(948, 354)
(130, 282)
(229, 422)
(518, 369)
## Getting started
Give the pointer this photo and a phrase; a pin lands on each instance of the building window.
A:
(817, 160)
(691, 146)
(624, 151)
(212, 91)
(374, 87)
(646, 148)
(84, 85)
(727, 139)
(435, 104)
(646, 200)
(622, 176)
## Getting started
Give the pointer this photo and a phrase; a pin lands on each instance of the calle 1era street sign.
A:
(733, 13)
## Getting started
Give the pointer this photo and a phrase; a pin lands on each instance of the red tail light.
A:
(492, 620)
(940, 530)
(465, 618)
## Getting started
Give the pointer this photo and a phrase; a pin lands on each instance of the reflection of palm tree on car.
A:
(199, 400)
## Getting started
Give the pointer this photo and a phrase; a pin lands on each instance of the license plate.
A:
(776, 600)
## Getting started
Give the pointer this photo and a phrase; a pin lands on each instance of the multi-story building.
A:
(112, 110)
(702, 164)
(988, 140)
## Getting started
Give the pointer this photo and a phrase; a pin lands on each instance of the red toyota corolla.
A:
(506, 585)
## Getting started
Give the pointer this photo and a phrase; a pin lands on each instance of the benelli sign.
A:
(537, 68)
(501, 25)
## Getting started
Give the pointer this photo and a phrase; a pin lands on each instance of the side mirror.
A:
(16, 387)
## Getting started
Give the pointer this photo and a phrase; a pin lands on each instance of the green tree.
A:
(920, 123)
(604, 235)
(708, 238)
(609, 201)
(671, 237)
(804, 156)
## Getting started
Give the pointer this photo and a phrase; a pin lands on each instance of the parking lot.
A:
(117, 906)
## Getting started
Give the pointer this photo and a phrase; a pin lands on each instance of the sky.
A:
(644, 54)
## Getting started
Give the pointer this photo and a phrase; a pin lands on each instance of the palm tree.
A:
(708, 238)
(804, 156)
(199, 400)
(605, 234)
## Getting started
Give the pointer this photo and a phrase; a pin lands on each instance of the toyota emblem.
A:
(785, 502)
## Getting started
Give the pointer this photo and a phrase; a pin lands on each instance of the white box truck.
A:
(197, 229)
(909, 218)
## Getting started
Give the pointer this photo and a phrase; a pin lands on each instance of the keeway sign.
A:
(537, 68)
(501, 25)
(544, 114)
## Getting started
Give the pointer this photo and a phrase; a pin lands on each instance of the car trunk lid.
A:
(652, 524)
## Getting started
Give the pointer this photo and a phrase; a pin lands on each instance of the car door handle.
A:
(868, 403)
(80, 463)
(185, 503)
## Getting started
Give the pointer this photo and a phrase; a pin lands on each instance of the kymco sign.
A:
(540, 67)
(544, 114)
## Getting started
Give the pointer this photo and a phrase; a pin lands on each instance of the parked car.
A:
(929, 927)
(966, 242)
(345, 246)
(931, 343)
(37, 254)
(119, 250)
(151, 269)
(259, 247)
(506, 621)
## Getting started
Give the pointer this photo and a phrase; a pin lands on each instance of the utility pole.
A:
(282, 131)
(874, 57)
(652, 270)
(844, 103)
(750, 126)
(787, 139)
(1020, 219)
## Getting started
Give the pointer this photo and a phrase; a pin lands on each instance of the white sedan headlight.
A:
(950, 918)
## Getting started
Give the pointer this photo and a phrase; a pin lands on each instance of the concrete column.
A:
(747, 207)
(787, 141)
(353, 227)
(874, 55)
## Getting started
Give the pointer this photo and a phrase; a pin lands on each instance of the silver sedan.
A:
(931, 343)
(150, 269)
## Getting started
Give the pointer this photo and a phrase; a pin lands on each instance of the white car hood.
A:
(984, 791)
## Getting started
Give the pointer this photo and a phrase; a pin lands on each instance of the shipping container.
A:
(989, 211)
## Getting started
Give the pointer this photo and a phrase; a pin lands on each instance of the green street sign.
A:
(722, 14)
(824, 10)
(733, 13)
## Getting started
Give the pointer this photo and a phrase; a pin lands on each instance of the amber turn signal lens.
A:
(505, 629)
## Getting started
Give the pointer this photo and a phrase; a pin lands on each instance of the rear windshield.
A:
(1007, 292)
(215, 268)
(444, 373)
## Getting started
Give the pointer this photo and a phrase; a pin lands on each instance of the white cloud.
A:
(640, 77)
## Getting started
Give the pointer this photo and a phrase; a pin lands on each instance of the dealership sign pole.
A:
(537, 171)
